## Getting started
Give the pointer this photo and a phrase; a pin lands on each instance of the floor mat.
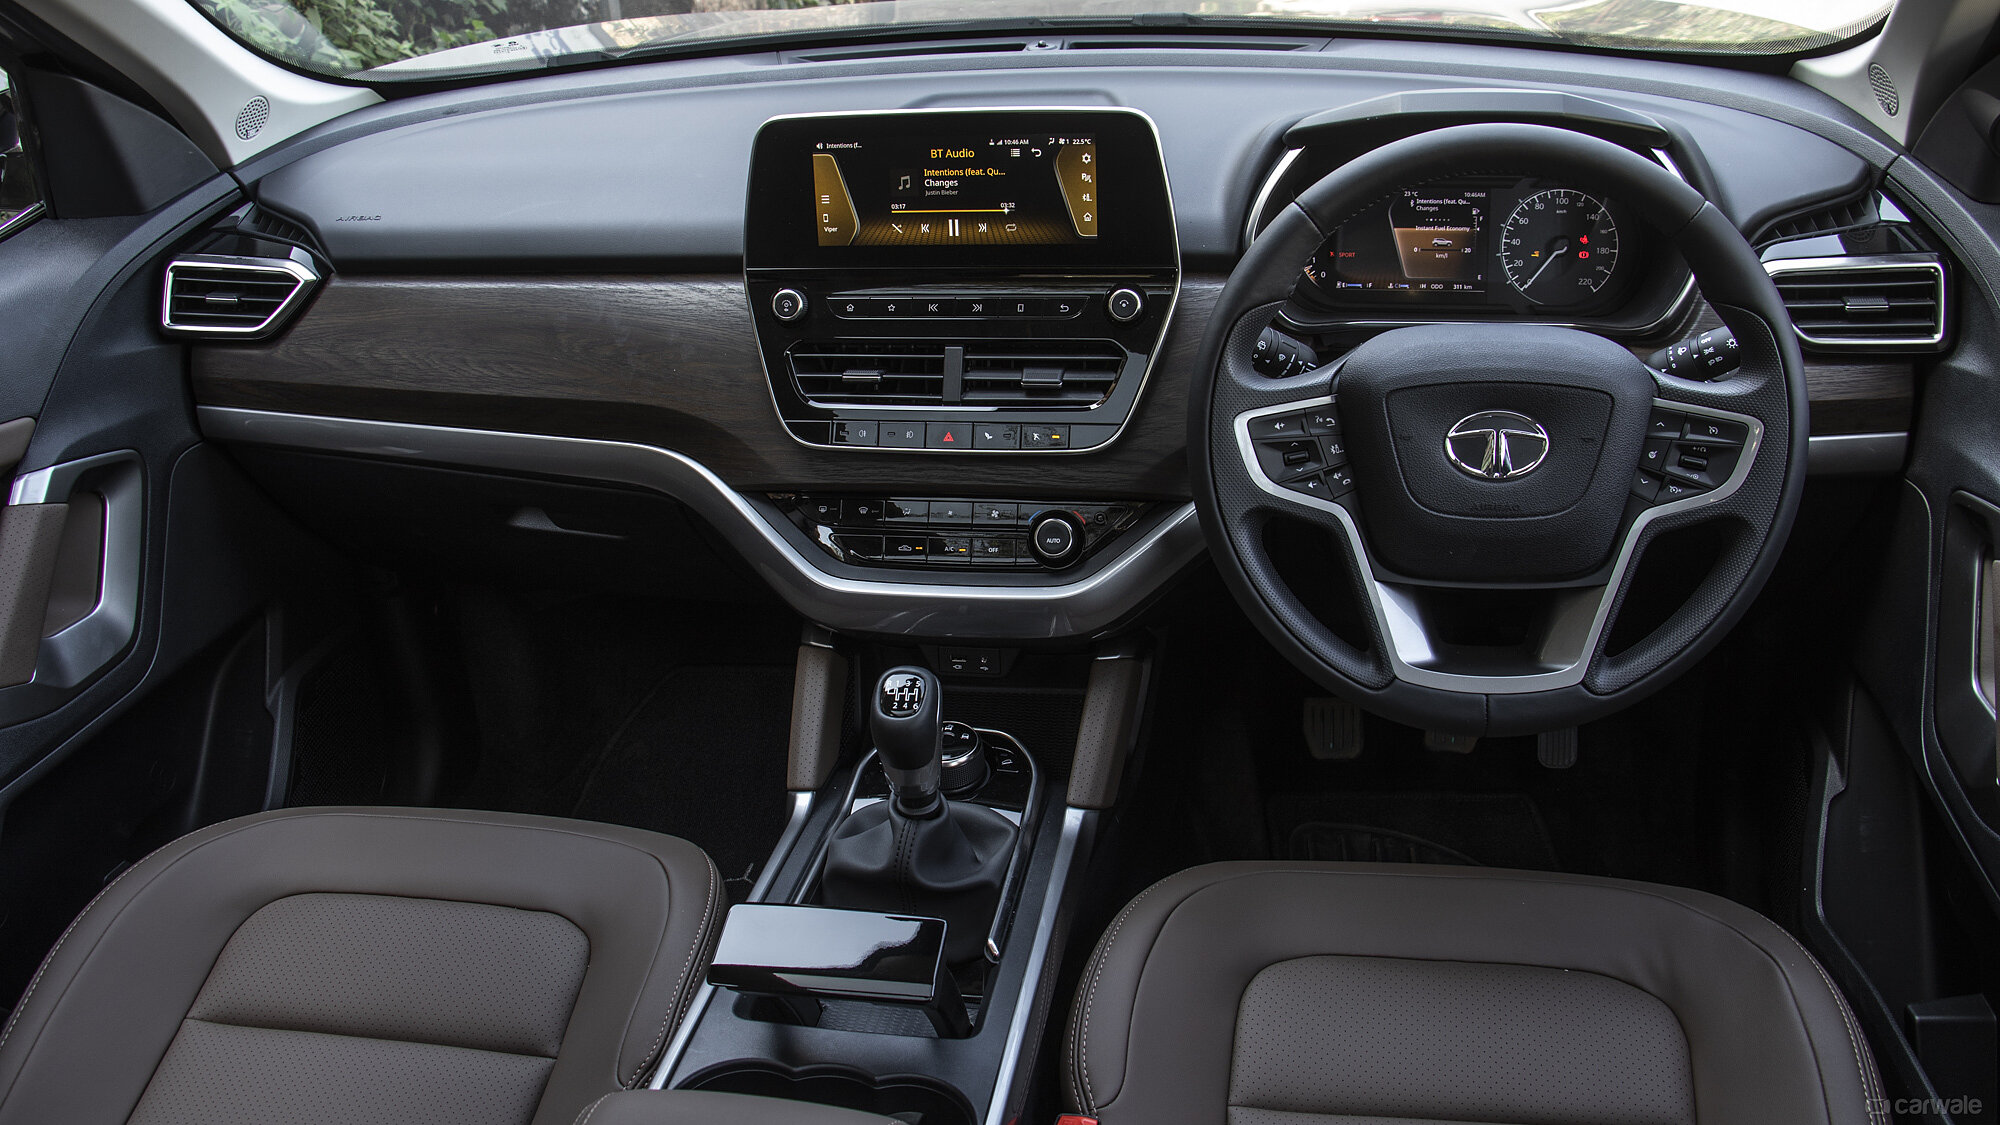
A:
(1354, 843)
(703, 758)
(1487, 829)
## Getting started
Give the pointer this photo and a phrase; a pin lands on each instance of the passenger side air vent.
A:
(223, 297)
(1886, 302)
(1036, 375)
(872, 371)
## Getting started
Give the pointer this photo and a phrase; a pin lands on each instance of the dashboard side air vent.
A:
(886, 372)
(1885, 302)
(224, 297)
(233, 299)
(1033, 374)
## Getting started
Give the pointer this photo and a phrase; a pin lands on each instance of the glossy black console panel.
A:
(1008, 534)
(813, 950)
(806, 955)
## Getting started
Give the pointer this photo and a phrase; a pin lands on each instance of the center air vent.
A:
(871, 371)
(1024, 374)
(1887, 302)
(233, 298)
(1035, 375)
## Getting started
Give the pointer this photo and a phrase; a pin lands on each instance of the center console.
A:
(959, 282)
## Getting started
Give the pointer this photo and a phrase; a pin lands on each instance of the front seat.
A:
(1358, 994)
(353, 966)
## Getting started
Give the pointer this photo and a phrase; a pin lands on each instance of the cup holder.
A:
(918, 1101)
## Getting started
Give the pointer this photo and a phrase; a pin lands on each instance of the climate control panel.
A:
(978, 534)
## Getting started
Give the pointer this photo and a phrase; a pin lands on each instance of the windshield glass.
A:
(428, 39)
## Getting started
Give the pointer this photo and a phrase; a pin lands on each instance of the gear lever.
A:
(919, 853)
(907, 731)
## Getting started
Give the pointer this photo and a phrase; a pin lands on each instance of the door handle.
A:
(71, 543)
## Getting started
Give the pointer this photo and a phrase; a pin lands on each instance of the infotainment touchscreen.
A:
(983, 187)
(956, 188)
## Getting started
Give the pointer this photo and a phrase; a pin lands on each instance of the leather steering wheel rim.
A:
(1755, 513)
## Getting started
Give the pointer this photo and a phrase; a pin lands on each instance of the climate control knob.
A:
(1055, 539)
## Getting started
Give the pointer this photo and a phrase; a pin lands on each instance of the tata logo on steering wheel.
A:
(1497, 445)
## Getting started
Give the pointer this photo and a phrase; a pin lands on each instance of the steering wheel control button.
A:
(1044, 437)
(1646, 486)
(1665, 423)
(1339, 480)
(996, 435)
(1278, 426)
(788, 305)
(855, 433)
(1312, 485)
(1672, 490)
(1654, 457)
(1333, 450)
(1054, 540)
(1323, 420)
(1124, 305)
(1717, 431)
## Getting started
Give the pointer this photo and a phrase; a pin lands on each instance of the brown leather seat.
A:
(1310, 994)
(335, 966)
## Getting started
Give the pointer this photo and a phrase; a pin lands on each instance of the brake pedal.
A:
(1333, 729)
(1556, 749)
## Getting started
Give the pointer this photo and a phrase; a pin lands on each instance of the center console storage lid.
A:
(697, 1107)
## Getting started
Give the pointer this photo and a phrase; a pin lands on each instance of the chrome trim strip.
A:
(303, 276)
(1099, 596)
(22, 218)
(905, 413)
(74, 655)
(1031, 980)
(802, 802)
(1283, 165)
(1778, 267)
(1569, 642)
(1835, 455)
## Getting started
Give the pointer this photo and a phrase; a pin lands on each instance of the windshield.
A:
(429, 39)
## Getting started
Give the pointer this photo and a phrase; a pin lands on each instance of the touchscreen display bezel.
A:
(1135, 223)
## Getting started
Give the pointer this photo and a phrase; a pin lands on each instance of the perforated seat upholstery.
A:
(336, 966)
(1359, 994)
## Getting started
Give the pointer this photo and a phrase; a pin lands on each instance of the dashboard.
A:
(921, 359)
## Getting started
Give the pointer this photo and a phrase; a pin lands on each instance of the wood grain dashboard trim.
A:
(672, 362)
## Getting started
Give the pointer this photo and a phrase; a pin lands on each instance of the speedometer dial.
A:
(1559, 247)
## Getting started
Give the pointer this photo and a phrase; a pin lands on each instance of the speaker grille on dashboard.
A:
(1885, 89)
(251, 118)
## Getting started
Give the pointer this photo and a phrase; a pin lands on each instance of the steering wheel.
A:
(1490, 491)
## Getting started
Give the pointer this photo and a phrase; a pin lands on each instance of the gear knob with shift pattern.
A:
(906, 725)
